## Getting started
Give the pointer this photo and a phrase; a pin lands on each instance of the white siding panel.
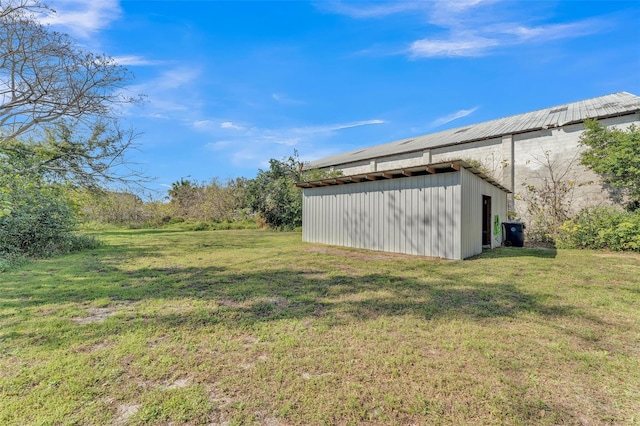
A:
(434, 215)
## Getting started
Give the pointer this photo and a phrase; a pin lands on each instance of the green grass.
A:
(255, 327)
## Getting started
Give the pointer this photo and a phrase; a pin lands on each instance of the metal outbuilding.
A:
(449, 210)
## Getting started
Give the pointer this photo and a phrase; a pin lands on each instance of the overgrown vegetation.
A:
(549, 194)
(602, 228)
(38, 219)
(58, 129)
(256, 327)
(274, 196)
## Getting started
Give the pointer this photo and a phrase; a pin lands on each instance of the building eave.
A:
(426, 169)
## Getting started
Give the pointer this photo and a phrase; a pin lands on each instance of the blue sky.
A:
(230, 85)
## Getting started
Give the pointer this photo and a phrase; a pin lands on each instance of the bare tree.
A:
(44, 78)
(68, 97)
(549, 194)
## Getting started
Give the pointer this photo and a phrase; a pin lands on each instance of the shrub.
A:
(40, 222)
(602, 228)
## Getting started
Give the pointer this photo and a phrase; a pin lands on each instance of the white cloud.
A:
(365, 10)
(253, 146)
(171, 94)
(202, 124)
(83, 18)
(230, 125)
(553, 31)
(468, 28)
(177, 77)
(335, 127)
(471, 46)
(452, 117)
(135, 60)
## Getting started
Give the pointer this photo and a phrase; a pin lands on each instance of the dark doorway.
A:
(486, 220)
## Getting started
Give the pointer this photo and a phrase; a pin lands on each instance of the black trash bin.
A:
(513, 234)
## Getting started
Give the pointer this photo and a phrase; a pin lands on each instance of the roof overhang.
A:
(427, 169)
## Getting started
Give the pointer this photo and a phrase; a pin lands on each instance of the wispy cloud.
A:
(363, 10)
(171, 94)
(481, 40)
(230, 125)
(553, 31)
(135, 60)
(335, 127)
(256, 144)
(465, 28)
(452, 117)
(464, 46)
(286, 100)
(83, 18)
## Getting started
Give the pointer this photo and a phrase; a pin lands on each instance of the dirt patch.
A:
(179, 384)
(96, 315)
(100, 314)
(91, 348)
(279, 302)
(124, 413)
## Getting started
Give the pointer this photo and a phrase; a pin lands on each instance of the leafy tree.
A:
(66, 154)
(615, 155)
(185, 197)
(109, 207)
(59, 109)
(274, 196)
(209, 202)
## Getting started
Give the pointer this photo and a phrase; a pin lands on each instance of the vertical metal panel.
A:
(434, 215)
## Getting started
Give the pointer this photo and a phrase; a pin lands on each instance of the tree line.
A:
(271, 200)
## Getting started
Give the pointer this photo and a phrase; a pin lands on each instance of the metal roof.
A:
(621, 103)
(444, 167)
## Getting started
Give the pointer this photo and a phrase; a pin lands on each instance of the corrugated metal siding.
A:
(414, 215)
(473, 189)
(603, 106)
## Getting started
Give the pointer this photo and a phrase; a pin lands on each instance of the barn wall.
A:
(488, 152)
(515, 160)
(562, 145)
(415, 215)
(473, 189)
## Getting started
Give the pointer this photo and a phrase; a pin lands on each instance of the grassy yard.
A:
(254, 327)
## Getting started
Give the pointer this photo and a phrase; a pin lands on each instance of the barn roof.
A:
(443, 167)
(616, 104)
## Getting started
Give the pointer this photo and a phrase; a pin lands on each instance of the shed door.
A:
(486, 220)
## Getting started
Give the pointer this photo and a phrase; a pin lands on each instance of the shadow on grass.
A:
(129, 232)
(509, 252)
(246, 298)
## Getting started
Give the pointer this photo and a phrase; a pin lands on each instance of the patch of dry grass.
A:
(236, 327)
